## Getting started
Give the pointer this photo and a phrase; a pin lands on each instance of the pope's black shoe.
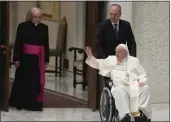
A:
(141, 118)
(126, 118)
(149, 120)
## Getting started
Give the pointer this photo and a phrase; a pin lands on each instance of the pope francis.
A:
(130, 89)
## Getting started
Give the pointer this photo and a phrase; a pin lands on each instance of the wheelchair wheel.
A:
(106, 106)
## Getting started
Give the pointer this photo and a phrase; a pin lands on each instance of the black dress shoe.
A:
(27, 109)
(149, 120)
(18, 108)
(36, 109)
(141, 118)
(126, 118)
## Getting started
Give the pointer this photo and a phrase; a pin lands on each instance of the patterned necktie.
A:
(116, 30)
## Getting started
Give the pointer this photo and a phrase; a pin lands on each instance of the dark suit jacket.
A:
(107, 41)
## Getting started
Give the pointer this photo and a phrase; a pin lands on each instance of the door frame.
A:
(95, 13)
(5, 28)
(92, 17)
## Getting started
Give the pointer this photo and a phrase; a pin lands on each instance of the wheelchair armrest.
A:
(76, 49)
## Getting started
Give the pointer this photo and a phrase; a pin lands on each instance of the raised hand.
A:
(88, 51)
(17, 64)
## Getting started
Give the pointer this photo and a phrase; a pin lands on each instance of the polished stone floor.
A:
(64, 85)
(61, 84)
(160, 113)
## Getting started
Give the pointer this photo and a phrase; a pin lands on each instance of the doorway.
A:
(4, 55)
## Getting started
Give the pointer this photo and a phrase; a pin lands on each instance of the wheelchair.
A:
(108, 111)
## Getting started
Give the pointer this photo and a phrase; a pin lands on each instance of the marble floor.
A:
(64, 85)
(61, 84)
(160, 113)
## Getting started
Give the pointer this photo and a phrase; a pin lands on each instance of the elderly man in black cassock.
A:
(31, 56)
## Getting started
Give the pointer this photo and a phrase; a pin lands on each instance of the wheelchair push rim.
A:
(107, 114)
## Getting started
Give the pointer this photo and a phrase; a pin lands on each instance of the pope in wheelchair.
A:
(130, 89)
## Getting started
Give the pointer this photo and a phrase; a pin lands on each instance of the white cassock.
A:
(129, 97)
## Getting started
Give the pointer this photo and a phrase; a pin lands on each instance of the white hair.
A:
(32, 10)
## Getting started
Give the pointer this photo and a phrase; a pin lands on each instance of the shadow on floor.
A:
(54, 99)
(59, 100)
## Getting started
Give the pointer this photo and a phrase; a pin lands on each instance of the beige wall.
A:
(18, 12)
(150, 25)
(151, 29)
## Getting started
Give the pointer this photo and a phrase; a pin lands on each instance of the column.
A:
(80, 24)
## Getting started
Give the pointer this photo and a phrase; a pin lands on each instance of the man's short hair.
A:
(117, 6)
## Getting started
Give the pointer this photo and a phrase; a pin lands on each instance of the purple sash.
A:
(38, 50)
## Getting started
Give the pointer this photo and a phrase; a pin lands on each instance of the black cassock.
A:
(26, 87)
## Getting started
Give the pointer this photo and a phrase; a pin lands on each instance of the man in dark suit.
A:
(114, 31)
